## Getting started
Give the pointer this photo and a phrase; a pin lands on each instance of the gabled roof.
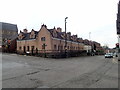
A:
(51, 31)
(26, 36)
(59, 36)
(58, 33)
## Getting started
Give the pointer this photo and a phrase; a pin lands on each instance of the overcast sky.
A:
(84, 16)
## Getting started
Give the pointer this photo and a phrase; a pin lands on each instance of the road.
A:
(78, 72)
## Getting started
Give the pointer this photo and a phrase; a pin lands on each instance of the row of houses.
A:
(45, 41)
(52, 41)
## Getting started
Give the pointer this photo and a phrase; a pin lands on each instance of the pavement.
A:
(20, 71)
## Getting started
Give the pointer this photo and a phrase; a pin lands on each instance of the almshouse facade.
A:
(47, 41)
(51, 41)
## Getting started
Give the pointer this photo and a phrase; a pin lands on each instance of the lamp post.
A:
(44, 45)
(90, 43)
(65, 37)
(89, 35)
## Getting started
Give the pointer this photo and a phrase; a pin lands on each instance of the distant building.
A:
(8, 33)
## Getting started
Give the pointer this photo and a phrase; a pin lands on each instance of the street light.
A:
(89, 35)
(65, 36)
(90, 43)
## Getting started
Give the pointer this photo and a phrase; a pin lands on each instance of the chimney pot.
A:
(59, 29)
(25, 30)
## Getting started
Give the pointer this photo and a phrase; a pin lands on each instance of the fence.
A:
(55, 53)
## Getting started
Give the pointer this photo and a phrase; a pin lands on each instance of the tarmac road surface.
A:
(20, 71)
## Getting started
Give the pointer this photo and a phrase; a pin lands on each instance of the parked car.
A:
(27, 53)
(108, 55)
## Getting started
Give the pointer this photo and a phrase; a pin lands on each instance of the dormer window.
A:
(20, 37)
(32, 35)
(54, 34)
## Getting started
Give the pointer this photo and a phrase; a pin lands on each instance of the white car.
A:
(108, 55)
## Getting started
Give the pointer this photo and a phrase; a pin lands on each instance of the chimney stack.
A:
(76, 36)
(69, 33)
(59, 29)
(25, 30)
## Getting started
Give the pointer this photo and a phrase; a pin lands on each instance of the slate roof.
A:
(8, 26)
(27, 35)
(59, 36)
(58, 33)
(51, 31)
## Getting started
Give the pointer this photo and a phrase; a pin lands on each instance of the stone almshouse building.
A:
(50, 41)
(47, 40)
